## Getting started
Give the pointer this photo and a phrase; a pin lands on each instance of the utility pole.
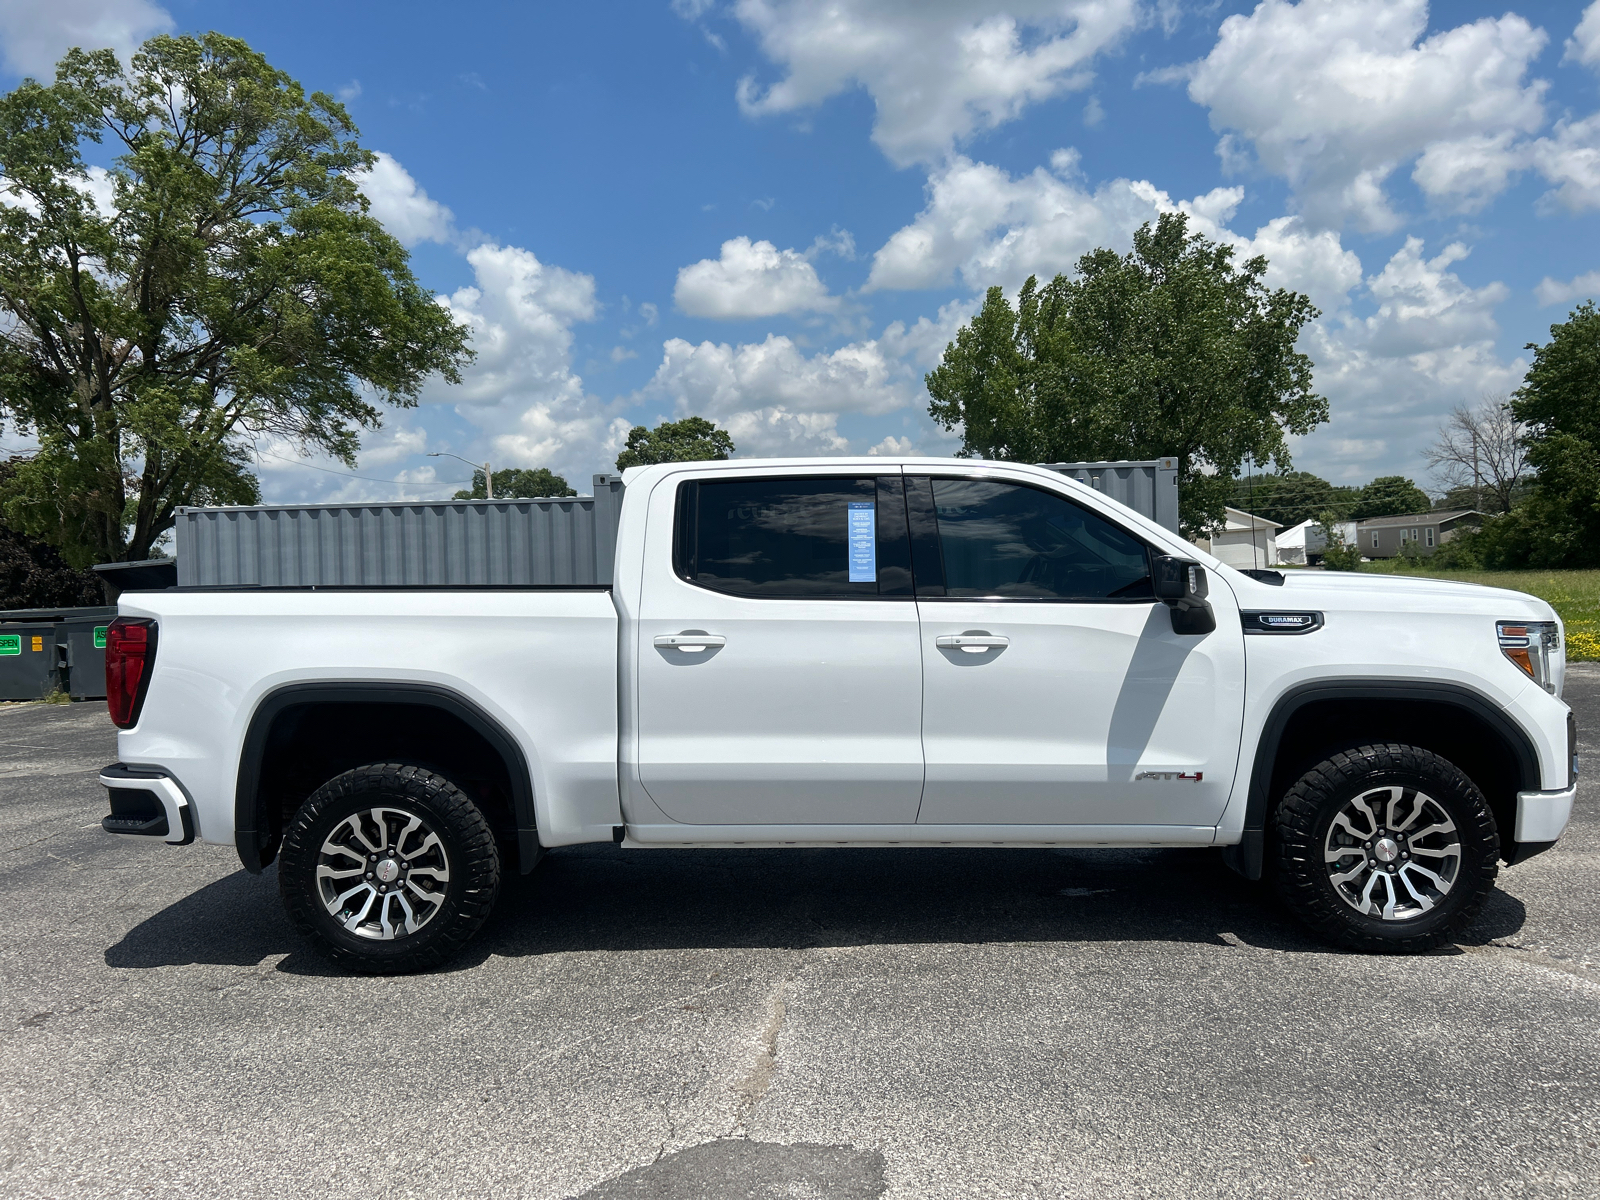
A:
(488, 481)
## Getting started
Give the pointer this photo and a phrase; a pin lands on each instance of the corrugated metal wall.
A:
(466, 543)
(569, 540)
(1150, 487)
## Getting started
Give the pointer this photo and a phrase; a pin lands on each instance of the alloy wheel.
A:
(383, 873)
(1392, 853)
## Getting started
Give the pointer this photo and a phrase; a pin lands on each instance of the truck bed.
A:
(541, 662)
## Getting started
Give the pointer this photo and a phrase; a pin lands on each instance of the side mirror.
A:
(1182, 585)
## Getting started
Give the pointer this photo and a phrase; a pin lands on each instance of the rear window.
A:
(813, 538)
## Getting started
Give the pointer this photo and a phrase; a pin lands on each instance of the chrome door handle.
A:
(690, 643)
(971, 643)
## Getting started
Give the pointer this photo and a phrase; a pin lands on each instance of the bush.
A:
(1460, 553)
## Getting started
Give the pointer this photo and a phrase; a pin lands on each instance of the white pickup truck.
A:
(850, 652)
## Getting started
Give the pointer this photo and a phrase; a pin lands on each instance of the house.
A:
(1246, 541)
(1382, 537)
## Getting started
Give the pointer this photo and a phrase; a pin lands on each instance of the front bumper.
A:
(1541, 818)
(147, 802)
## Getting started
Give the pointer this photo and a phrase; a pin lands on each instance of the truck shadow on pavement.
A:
(602, 898)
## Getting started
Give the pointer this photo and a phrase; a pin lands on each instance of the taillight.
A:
(130, 657)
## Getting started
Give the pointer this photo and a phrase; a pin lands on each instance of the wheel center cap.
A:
(1386, 850)
(389, 870)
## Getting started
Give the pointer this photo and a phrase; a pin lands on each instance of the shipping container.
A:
(473, 543)
(1149, 487)
(447, 543)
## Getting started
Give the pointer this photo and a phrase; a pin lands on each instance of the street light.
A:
(488, 476)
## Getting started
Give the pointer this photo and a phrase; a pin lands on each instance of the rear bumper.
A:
(147, 802)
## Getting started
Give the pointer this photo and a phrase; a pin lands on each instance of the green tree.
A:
(1390, 496)
(1171, 349)
(232, 285)
(1337, 554)
(517, 483)
(1558, 524)
(693, 439)
(34, 575)
(1290, 497)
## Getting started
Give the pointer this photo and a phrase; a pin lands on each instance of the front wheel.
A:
(1387, 849)
(388, 868)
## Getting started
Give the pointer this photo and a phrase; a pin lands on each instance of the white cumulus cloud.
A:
(401, 206)
(1555, 291)
(774, 399)
(34, 34)
(1570, 159)
(1335, 95)
(986, 227)
(522, 390)
(1390, 376)
(1584, 44)
(751, 279)
(937, 72)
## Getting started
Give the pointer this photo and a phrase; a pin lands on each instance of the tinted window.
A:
(999, 539)
(811, 538)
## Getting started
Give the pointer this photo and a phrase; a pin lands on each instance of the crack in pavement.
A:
(583, 1041)
(1539, 958)
(758, 1079)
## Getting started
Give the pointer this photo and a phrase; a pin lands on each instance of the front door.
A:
(779, 667)
(1055, 691)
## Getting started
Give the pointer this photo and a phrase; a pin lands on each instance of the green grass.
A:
(1573, 594)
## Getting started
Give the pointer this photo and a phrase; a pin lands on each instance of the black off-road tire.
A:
(1301, 834)
(464, 901)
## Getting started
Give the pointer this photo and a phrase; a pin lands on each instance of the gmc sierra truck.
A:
(850, 652)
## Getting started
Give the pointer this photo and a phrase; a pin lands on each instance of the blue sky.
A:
(777, 214)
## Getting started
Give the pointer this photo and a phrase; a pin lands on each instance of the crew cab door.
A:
(779, 675)
(1055, 691)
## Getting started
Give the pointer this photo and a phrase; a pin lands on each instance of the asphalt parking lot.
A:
(810, 1024)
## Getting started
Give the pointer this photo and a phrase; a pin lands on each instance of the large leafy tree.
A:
(222, 280)
(33, 573)
(693, 439)
(1171, 349)
(1291, 497)
(1390, 496)
(517, 483)
(1558, 524)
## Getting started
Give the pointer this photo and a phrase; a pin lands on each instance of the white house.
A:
(1246, 541)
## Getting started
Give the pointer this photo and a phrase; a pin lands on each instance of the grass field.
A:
(1573, 594)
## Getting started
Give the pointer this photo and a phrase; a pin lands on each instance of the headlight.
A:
(1535, 646)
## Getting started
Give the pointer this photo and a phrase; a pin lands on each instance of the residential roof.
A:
(1427, 518)
(1249, 520)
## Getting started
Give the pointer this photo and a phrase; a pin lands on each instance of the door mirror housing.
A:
(1181, 584)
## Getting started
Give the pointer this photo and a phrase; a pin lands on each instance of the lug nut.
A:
(369, 874)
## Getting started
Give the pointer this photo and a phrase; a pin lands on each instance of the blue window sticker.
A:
(863, 529)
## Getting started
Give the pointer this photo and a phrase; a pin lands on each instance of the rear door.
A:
(779, 664)
(1055, 691)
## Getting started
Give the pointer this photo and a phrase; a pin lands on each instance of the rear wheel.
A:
(1387, 849)
(388, 868)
